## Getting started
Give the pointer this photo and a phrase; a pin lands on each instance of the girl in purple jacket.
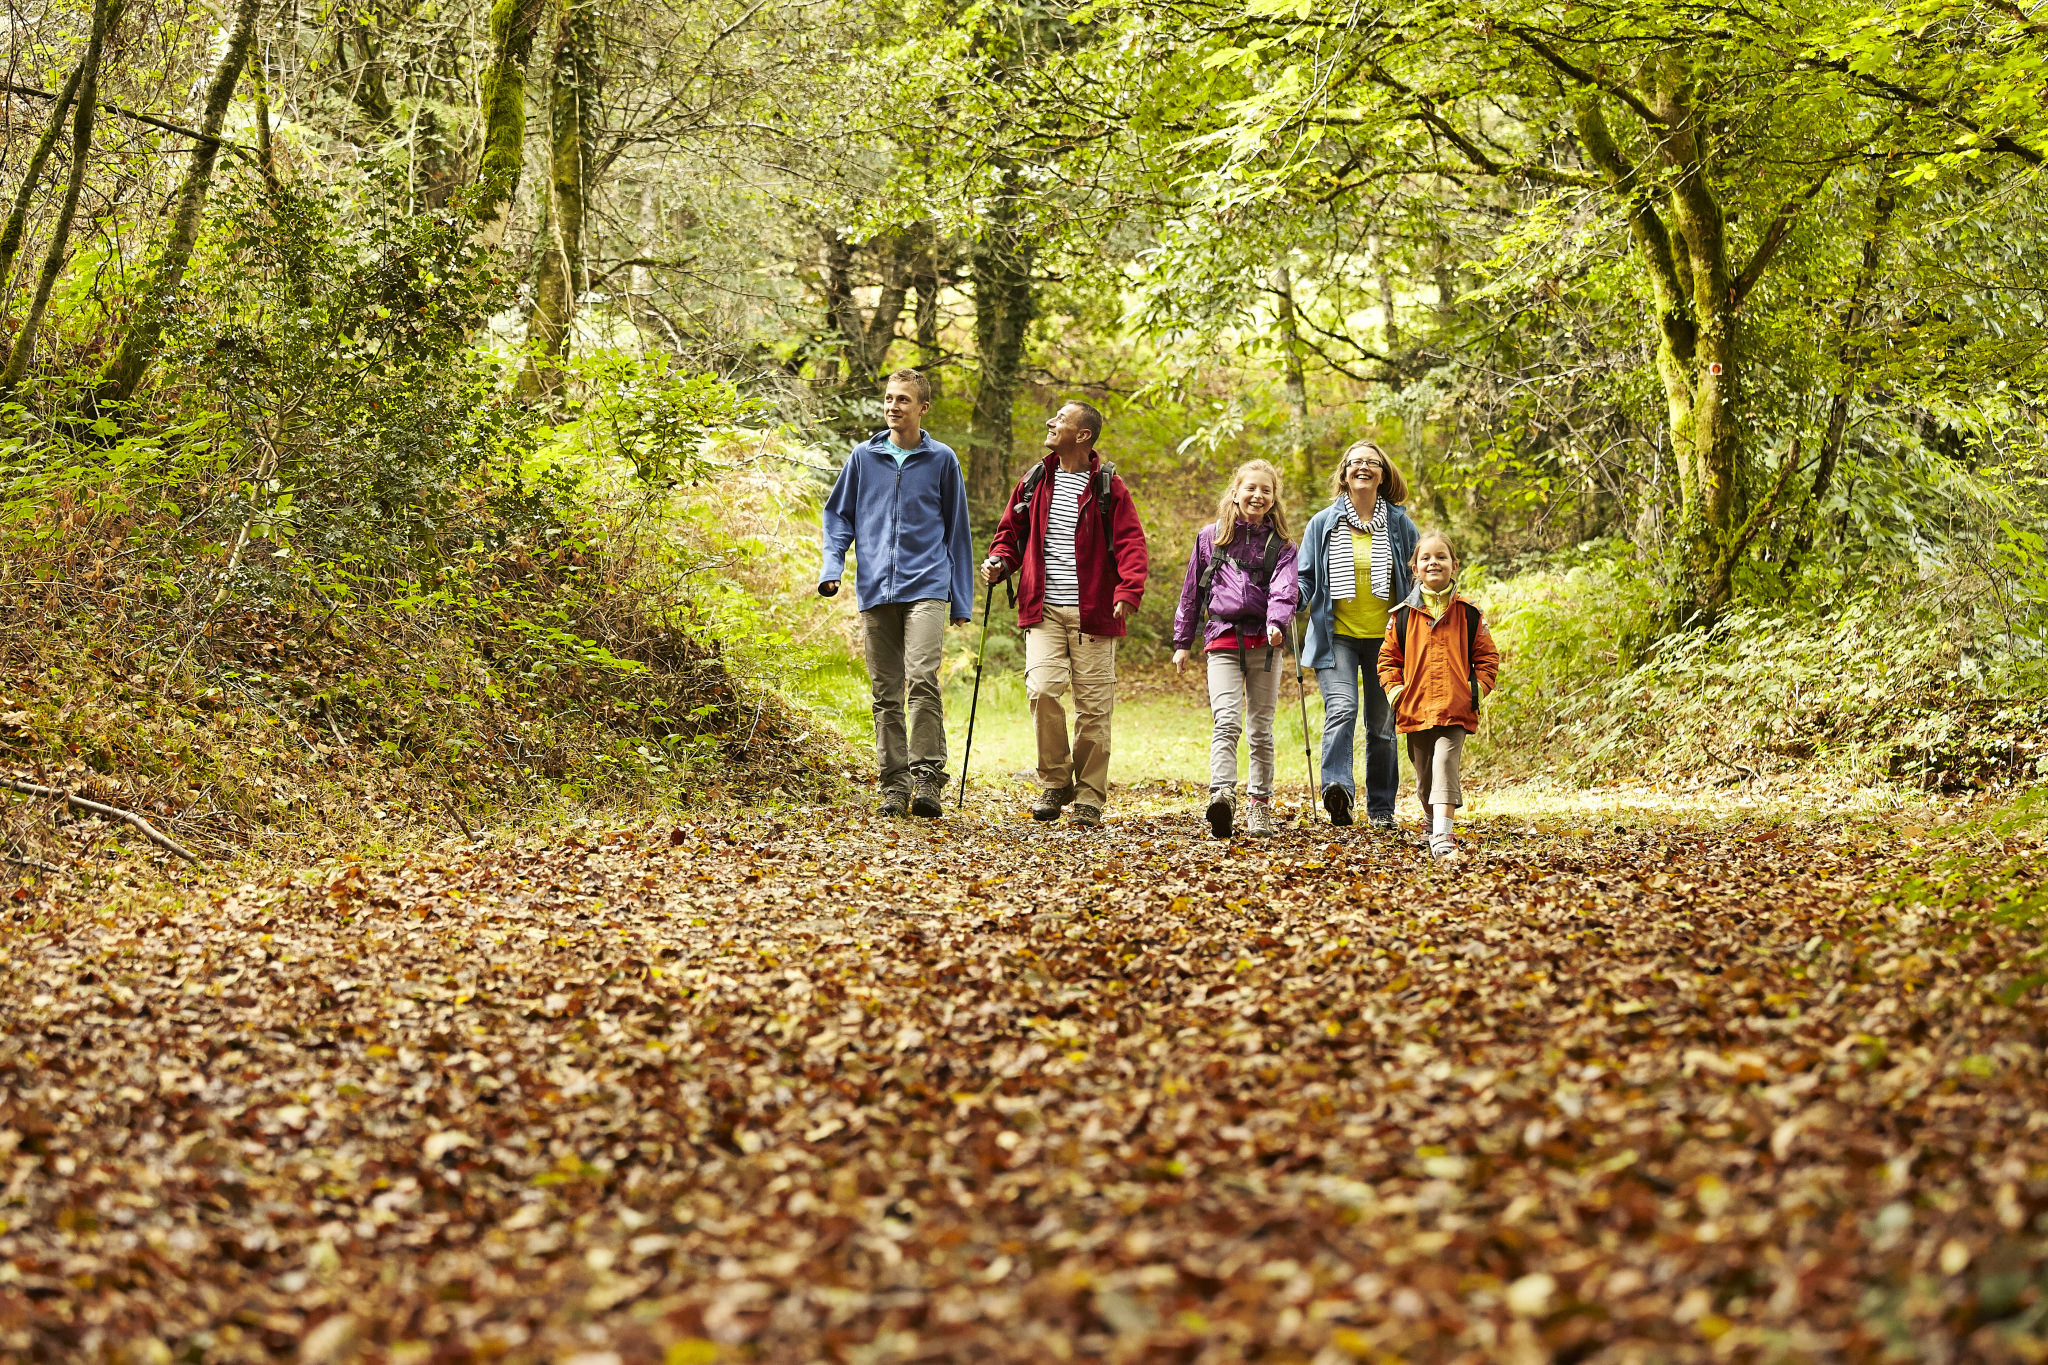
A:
(1241, 577)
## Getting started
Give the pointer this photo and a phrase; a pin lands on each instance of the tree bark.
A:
(1004, 302)
(513, 25)
(17, 219)
(1293, 381)
(124, 371)
(1692, 292)
(563, 277)
(925, 284)
(874, 342)
(1851, 354)
(105, 14)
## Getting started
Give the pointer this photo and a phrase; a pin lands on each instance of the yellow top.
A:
(1363, 617)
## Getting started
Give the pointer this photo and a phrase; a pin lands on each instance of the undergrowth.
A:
(1898, 681)
(331, 582)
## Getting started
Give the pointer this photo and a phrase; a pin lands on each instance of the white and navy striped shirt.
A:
(1062, 574)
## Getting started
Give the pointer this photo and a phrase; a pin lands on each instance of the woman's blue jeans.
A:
(1340, 687)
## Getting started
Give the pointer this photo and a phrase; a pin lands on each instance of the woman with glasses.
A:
(1355, 557)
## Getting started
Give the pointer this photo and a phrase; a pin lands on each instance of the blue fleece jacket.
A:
(908, 524)
(1318, 648)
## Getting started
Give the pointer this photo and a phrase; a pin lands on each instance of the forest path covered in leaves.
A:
(820, 1088)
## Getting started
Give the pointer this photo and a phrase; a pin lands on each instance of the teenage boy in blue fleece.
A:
(900, 500)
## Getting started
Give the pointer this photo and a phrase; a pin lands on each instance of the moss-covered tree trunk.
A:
(513, 25)
(1004, 303)
(1293, 379)
(85, 88)
(123, 373)
(562, 277)
(31, 176)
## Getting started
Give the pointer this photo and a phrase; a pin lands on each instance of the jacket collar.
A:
(1052, 462)
(879, 442)
(1414, 597)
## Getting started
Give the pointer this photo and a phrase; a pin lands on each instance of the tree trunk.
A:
(1851, 354)
(925, 283)
(124, 372)
(842, 314)
(1390, 332)
(1293, 382)
(572, 112)
(503, 84)
(1004, 300)
(1695, 303)
(105, 14)
(17, 220)
(872, 344)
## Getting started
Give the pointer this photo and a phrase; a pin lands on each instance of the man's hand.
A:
(963, 620)
(1121, 610)
(829, 589)
(993, 571)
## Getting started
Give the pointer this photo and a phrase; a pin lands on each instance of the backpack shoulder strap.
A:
(1401, 615)
(1028, 487)
(1102, 504)
(1271, 560)
(1472, 652)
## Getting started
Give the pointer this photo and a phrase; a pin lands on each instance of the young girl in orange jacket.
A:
(1437, 662)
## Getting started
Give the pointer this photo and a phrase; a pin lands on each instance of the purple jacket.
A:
(1236, 602)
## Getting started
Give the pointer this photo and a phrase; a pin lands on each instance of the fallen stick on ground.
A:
(29, 863)
(129, 817)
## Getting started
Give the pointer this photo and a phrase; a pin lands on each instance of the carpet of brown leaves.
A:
(868, 1092)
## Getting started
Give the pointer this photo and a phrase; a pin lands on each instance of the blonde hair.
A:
(1393, 487)
(1424, 539)
(1227, 509)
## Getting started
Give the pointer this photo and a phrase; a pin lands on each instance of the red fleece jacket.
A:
(1109, 573)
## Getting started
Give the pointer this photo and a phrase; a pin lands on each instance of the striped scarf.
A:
(1343, 568)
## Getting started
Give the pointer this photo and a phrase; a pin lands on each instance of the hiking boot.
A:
(894, 803)
(1384, 824)
(1442, 847)
(1222, 812)
(1051, 801)
(927, 794)
(1337, 801)
(1085, 815)
(1258, 817)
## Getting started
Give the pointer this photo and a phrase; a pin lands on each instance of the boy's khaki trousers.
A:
(905, 643)
(1059, 657)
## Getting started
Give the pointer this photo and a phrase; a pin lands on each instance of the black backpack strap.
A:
(1022, 507)
(1102, 505)
(1273, 547)
(1401, 615)
(1472, 652)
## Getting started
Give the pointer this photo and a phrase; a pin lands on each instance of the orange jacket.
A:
(1431, 668)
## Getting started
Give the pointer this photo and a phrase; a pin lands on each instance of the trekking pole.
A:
(967, 751)
(1308, 764)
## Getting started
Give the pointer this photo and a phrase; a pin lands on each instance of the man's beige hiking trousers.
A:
(1060, 658)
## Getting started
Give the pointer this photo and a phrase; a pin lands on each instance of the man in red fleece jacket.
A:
(1083, 577)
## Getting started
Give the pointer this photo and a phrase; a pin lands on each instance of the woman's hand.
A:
(1180, 661)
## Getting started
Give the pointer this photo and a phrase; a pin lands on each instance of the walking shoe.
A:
(1085, 815)
(1337, 801)
(1384, 823)
(1222, 812)
(927, 793)
(1258, 817)
(1443, 847)
(1050, 801)
(893, 804)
